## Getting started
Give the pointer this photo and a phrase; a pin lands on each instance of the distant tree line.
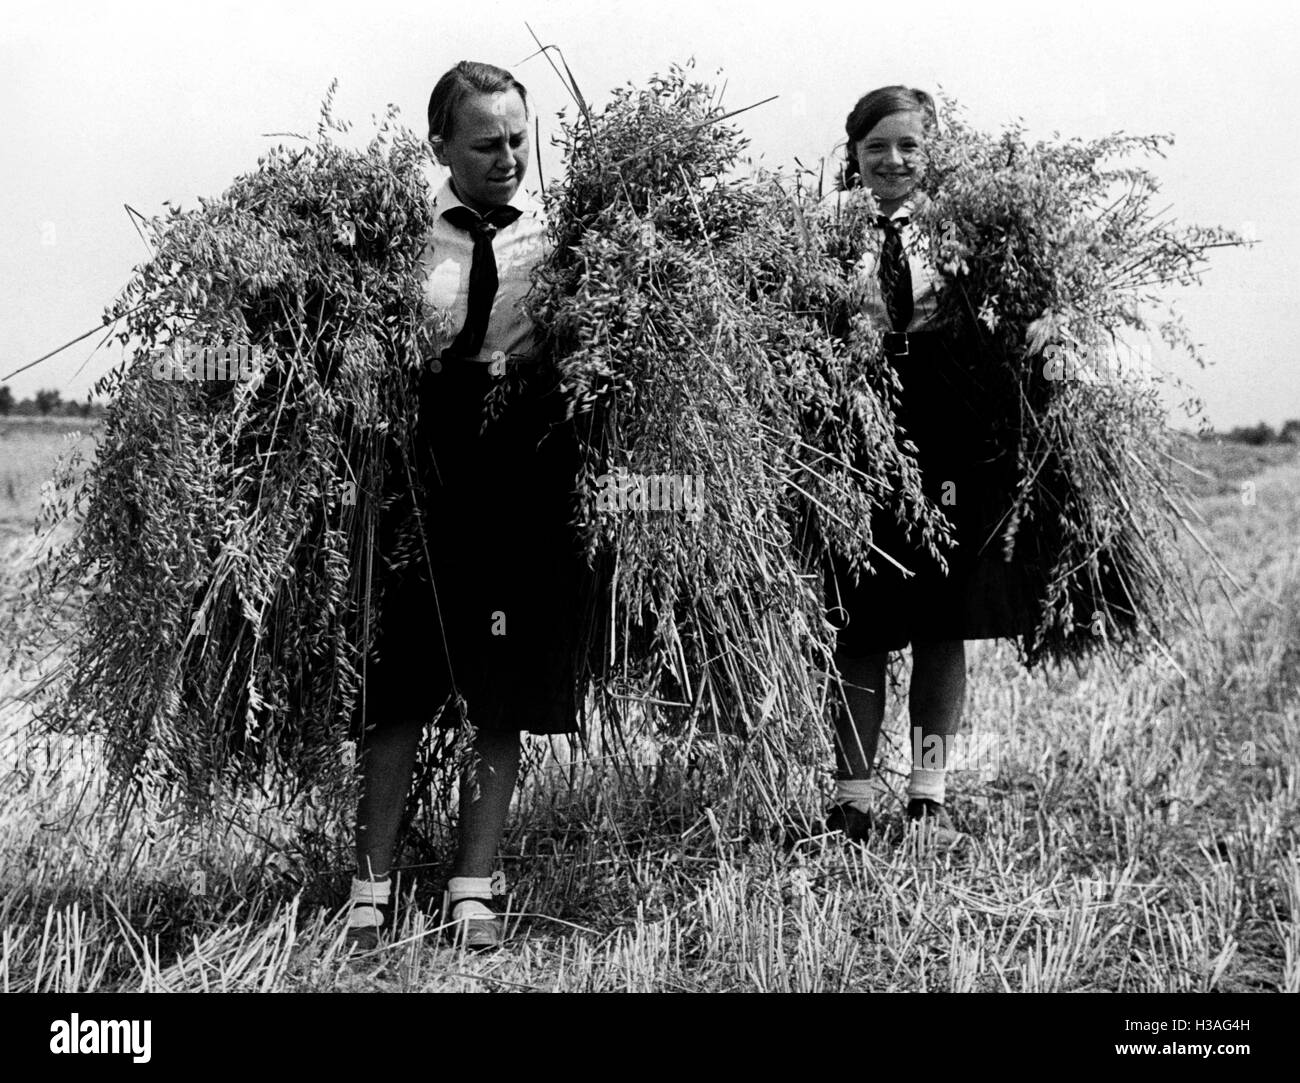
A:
(47, 402)
(50, 403)
(1263, 433)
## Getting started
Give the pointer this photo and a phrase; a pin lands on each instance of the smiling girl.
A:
(963, 472)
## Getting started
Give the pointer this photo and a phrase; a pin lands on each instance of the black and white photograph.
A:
(663, 498)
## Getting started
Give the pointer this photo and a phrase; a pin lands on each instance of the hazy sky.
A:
(139, 102)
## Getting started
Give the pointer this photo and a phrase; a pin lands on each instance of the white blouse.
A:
(925, 279)
(518, 248)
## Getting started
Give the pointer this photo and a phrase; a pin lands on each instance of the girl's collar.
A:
(914, 205)
(523, 200)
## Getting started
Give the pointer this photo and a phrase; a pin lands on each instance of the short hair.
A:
(872, 108)
(466, 78)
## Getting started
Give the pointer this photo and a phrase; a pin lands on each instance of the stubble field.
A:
(1128, 831)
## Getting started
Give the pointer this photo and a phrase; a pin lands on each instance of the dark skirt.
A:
(487, 624)
(968, 469)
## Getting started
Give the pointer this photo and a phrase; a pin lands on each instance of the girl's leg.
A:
(857, 732)
(858, 721)
(388, 760)
(934, 702)
(485, 792)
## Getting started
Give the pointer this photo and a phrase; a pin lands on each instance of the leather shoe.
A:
(475, 930)
(363, 938)
(932, 818)
(854, 823)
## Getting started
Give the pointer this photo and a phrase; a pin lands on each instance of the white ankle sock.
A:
(861, 793)
(472, 888)
(927, 783)
(366, 898)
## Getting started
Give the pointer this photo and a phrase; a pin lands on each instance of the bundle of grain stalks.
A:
(221, 576)
(1052, 258)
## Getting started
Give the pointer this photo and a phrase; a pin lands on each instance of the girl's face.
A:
(488, 149)
(891, 158)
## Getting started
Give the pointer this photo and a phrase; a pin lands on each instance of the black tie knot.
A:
(895, 274)
(481, 225)
(482, 274)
